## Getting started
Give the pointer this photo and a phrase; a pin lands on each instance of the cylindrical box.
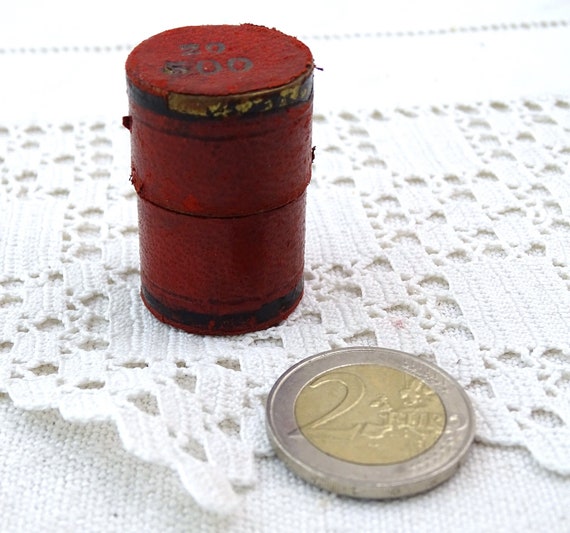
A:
(220, 122)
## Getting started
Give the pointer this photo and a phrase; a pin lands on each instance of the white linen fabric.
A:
(59, 476)
(437, 224)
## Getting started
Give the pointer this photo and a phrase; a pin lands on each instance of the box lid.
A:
(220, 70)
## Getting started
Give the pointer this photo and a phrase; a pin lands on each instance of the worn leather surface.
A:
(221, 198)
(222, 275)
(221, 167)
(211, 54)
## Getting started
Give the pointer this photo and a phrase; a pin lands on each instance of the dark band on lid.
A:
(196, 107)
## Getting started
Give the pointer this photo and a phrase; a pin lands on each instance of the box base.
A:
(269, 314)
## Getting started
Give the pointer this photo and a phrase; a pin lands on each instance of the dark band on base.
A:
(268, 314)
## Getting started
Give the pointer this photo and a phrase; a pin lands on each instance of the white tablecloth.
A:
(438, 223)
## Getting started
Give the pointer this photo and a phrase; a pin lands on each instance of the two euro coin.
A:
(370, 422)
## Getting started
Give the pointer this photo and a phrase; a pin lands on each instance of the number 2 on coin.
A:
(354, 392)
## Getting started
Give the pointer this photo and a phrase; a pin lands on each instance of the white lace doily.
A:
(441, 231)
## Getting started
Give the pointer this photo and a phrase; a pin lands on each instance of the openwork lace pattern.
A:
(443, 232)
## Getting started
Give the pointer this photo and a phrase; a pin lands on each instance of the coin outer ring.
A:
(418, 474)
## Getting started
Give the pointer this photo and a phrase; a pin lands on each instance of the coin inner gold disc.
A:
(370, 414)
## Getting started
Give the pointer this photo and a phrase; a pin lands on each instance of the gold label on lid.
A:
(296, 92)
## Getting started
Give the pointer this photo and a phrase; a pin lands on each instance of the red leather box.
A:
(220, 122)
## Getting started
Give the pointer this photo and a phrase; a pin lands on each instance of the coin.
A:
(370, 422)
